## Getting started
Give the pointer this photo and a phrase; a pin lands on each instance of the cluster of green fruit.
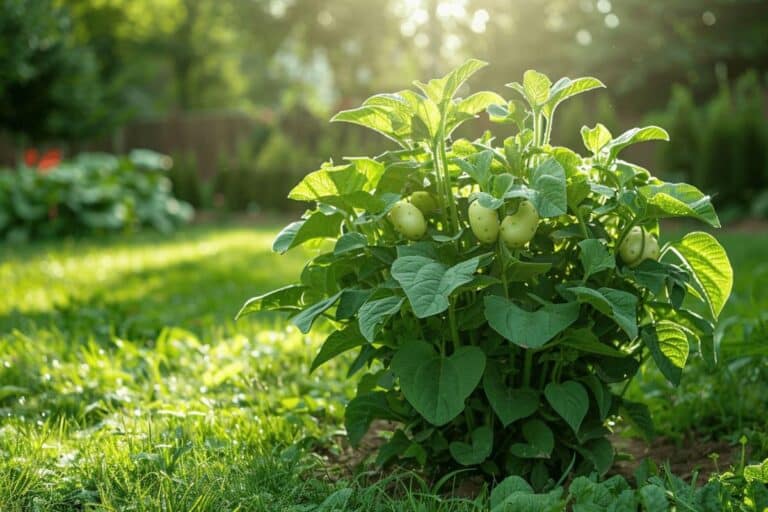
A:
(517, 229)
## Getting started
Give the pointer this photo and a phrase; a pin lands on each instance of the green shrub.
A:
(721, 145)
(94, 192)
(499, 344)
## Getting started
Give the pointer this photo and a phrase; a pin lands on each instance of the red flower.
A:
(30, 157)
(44, 162)
(51, 159)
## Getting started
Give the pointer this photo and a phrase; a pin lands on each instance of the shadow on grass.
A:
(195, 280)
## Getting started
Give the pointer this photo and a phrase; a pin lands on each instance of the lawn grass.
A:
(125, 383)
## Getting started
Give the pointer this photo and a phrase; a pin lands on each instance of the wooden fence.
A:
(206, 136)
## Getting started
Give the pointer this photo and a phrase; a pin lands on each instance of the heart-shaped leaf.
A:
(616, 304)
(595, 257)
(434, 385)
(337, 343)
(679, 200)
(709, 263)
(548, 180)
(569, 400)
(529, 329)
(669, 348)
(318, 225)
(475, 453)
(373, 313)
(508, 403)
(429, 283)
(541, 441)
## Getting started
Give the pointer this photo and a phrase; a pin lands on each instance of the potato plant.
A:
(499, 294)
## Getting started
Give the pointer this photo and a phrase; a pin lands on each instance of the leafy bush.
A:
(50, 85)
(92, 192)
(722, 144)
(498, 343)
(657, 491)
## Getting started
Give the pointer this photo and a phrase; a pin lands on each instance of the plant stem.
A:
(500, 255)
(454, 325)
(582, 224)
(527, 368)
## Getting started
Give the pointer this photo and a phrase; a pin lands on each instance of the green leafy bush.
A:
(481, 285)
(722, 145)
(92, 192)
(656, 491)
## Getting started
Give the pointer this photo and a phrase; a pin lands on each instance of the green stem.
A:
(441, 157)
(454, 325)
(582, 224)
(500, 256)
(548, 131)
(635, 220)
(528, 365)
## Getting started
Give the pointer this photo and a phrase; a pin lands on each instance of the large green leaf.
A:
(478, 102)
(709, 263)
(616, 304)
(508, 403)
(540, 441)
(567, 88)
(475, 453)
(633, 136)
(506, 488)
(548, 180)
(570, 400)
(429, 283)
(337, 343)
(328, 181)
(679, 200)
(529, 329)
(373, 313)
(595, 257)
(375, 117)
(318, 225)
(434, 385)
(669, 348)
(362, 410)
(306, 317)
(287, 298)
(349, 242)
(428, 112)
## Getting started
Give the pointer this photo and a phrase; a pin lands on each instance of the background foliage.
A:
(113, 61)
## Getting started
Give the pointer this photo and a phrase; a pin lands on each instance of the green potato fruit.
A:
(519, 228)
(424, 201)
(408, 220)
(637, 246)
(484, 223)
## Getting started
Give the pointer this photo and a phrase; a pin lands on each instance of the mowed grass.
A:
(125, 383)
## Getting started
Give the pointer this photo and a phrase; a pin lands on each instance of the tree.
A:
(49, 85)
